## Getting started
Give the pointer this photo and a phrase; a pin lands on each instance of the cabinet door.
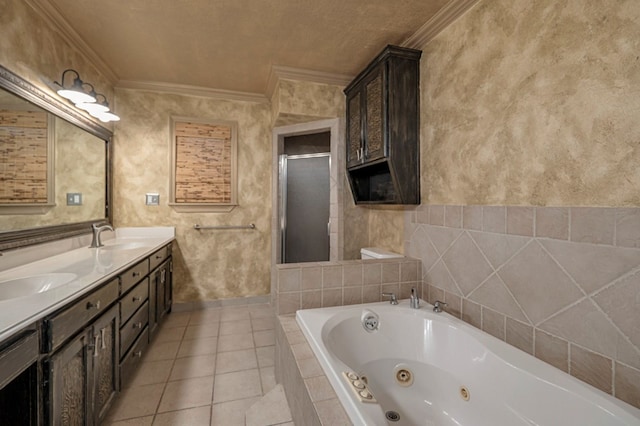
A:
(374, 131)
(154, 277)
(105, 362)
(69, 384)
(354, 128)
(168, 287)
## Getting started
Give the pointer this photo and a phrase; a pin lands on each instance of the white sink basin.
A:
(26, 286)
(124, 246)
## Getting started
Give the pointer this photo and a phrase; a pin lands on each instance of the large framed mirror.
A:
(55, 167)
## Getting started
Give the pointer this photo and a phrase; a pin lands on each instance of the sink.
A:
(26, 286)
(124, 246)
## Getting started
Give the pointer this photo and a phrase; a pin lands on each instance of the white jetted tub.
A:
(393, 365)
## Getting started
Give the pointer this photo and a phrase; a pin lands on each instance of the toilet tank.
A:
(377, 253)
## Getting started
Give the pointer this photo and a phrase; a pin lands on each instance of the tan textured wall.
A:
(209, 264)
(386, 228)
(533, 103)
(31, 48)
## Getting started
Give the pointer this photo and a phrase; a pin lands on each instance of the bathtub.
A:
(418, 367)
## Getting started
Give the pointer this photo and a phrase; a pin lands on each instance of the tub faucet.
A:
(97, 230)
(437, 306)
(393, 300)
(414, 300)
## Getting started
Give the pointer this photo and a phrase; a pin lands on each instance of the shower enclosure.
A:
(304, 212)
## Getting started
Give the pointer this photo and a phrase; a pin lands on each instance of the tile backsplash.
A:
(561, 283)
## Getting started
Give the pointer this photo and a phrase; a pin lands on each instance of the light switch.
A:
(74, 198)
(152, 199)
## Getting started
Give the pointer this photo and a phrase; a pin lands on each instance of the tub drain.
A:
(392, 416)
(464, 393)
(404, 376)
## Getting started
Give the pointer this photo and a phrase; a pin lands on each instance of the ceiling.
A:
(233, 44)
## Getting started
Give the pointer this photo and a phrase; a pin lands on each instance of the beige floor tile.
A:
(137, 402)
(204, 346)
(170, 334)
(152, 372)
(228, 362)
(231, 413)
(206, 316)
(264, 338)
(162, 351)
(199, 416)
(272, 409)
(140, 421)
(259, 324)
(235, 314)
(201, 331)
(235, 342)
(187, 393)
(268, 379)
(237, 385)
(177, 319)
(266, 356)
(193, 366)
(235, 327)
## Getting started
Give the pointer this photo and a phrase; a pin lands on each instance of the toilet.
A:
(377, 253)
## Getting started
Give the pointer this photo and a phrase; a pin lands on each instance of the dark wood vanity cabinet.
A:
(383, 150)
(82, 376)
(159, 295)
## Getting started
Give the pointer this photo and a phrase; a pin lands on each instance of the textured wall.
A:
(209, 264)
(533, 103)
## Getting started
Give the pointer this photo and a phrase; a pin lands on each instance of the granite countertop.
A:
(91, 266)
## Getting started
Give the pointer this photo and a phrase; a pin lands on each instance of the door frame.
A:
(336, 175)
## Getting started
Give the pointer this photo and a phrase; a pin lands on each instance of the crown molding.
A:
(438, 22)
(184, 89)
(52, 15)
(279, 72)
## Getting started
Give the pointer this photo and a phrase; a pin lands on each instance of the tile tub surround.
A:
(311, 397)
(561, 283)
(323, 284)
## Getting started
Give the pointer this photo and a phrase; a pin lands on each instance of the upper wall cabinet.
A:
(383, 146)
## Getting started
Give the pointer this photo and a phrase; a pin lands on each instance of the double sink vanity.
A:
(74, 326)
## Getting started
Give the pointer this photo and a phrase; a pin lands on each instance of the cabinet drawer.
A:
(130, 302)
(133, 275)
(158, 257)
(59, 327)
(17, 356)
(132, 328)
(132, 359)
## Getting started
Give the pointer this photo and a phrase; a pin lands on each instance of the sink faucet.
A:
(437, 306)
(414, 300)
(97, 230)
(393, 300)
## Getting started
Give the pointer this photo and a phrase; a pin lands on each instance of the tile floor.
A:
(209, 368)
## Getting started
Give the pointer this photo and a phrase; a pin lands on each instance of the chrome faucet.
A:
(393, 300)
(414, 300)
(437, 306)
(97, 230)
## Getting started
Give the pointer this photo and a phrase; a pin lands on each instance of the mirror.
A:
(55, 170)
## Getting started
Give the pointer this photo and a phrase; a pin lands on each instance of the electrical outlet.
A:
(74, 198)
(152, 199)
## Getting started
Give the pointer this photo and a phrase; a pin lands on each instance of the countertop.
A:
(91, 266)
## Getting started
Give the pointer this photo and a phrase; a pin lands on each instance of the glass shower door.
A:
(305, 207)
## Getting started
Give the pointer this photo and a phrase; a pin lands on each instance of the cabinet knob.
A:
(91, 305)
(158, 256)
(136, 298)
(104, 342)
(136, 274)
(137, 354)
(95, 345)
(137, 325)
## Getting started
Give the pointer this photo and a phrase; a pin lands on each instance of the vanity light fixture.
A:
(86, 100)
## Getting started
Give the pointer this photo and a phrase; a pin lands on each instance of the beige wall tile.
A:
(435, 293)
(493, 323)
(440, 277)
(591, 368)
(454, 304)
(289, 280)
(409, 271)
(436, 215)
(628, 227)
(331, 413)
(312, 278)
(442, 238)
(627, 384)
(494, 219)
(466, 264)
(519, 335)
(520, 220)
(422, 214)
(453, 216)
(372, 273)
(332, 276)
(371, 293)
(352, 275)
(311, 299)
(331, 297)
(593, 225)
(288, 303)
(552, 350)
(494, 294)
(552, 222)
(352, 295)
(390, 273)
(472, 313)
(472, 217)
(319, 388)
